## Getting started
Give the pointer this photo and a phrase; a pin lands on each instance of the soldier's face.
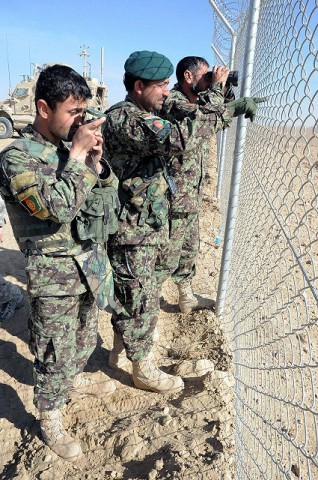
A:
(64, 121)
(199, 81)
(153, 95)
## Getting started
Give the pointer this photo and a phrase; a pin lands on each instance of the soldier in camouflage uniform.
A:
(138, 143)
(195, 90)
(11, 296)
(56, 195)
(178, 257)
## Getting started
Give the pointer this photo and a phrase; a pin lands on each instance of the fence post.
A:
(238, 158)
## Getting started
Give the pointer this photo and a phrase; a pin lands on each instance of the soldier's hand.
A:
(95, 154)
(246, 105)
(87, 138)
(220, 74)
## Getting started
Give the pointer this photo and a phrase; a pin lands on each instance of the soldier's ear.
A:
(139, 86)
(188, 76)
(43, 108)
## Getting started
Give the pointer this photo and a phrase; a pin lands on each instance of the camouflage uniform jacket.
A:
(188, 170)
(138, 143)
(44, 191)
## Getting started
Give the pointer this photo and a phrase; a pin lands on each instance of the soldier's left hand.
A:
(246, 105)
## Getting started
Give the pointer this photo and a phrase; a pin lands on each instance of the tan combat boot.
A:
(88, 385)
(188, 302)
(55, 436)
(147, 376)
(117, 357)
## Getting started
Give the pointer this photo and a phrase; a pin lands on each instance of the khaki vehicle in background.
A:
(19, 109)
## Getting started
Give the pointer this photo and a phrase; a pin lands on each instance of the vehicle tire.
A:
(6, 128)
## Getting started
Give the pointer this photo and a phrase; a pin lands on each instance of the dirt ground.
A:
(132, 434)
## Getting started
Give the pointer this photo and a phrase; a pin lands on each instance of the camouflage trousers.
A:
(63, 327)
(63, 335)
(178, 256)
(137, 296)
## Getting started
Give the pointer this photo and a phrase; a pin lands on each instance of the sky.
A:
(41, 31)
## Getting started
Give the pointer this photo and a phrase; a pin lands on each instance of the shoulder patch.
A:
(31, 204)
(25, 188)
(161, 128)
(31, 201)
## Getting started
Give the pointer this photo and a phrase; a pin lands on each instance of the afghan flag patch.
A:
(32, 204)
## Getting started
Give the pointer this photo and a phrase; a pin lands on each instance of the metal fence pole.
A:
(238, 159)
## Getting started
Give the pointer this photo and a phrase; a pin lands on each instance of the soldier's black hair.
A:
(189, 63)
(129, 81)
(57, 82)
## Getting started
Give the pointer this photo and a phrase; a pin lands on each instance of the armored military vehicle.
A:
(19, 109)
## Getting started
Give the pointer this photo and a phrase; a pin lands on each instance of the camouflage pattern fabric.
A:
(96, 267)
(134, 141)
(37, 177)
(177, 256)
(136, 293)
(63, 335)
(188, 171)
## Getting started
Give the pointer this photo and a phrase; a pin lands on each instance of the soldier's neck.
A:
(43, 130)
(188, 92)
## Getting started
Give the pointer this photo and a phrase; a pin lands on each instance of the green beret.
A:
(148, 65)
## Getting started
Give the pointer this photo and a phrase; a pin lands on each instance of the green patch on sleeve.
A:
(161, 128)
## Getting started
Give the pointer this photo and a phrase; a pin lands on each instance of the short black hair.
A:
(129, 81)
(189, 63)
(57, 82)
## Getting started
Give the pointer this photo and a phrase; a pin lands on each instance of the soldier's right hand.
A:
(220, 74)
(85, 139)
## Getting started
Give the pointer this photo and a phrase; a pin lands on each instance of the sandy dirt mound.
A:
(132, 434)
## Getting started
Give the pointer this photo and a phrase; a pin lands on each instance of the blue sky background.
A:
(41, 31)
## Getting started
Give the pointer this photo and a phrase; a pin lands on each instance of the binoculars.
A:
(232, 79)
(93, 113)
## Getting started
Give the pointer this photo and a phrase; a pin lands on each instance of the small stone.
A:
(194, 368)
(46, 475)
(202, 367)
(47, 458)
(152, 475)
(227, 476)
(159, 464)
(295, 470)
(166, 411)
(165, 420)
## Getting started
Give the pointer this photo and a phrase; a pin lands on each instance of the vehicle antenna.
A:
(84, 54)
(102, 66)
(30, 60)
(9, 74)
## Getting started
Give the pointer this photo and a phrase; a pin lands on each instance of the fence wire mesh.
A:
(271, 294)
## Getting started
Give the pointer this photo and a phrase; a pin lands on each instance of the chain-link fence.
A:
(268, 282)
